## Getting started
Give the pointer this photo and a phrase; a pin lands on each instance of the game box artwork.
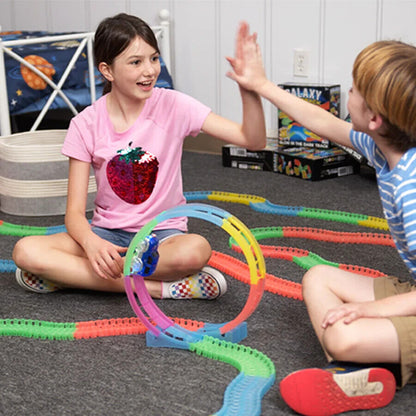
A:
(326, 96)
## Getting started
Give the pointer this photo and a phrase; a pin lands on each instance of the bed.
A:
(45, 74)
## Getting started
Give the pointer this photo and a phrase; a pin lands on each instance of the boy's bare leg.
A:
(363, 340)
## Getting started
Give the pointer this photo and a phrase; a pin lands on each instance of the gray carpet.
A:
(120, 375)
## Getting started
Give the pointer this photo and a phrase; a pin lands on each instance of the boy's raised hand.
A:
(247, 65)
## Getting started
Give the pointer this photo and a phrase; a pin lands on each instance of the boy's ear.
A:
(376, 121)
(105, 71)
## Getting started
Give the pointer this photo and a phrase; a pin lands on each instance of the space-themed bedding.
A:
(28, 92)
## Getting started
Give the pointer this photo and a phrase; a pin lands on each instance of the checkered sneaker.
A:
(34, 284)
(330, 391)
(208, 284)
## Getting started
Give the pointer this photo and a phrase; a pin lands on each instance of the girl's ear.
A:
(105, 71)
(376, 121)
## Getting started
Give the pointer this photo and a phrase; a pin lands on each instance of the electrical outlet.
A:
(300, 63)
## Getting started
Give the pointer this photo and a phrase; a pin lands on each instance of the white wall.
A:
(333, 31)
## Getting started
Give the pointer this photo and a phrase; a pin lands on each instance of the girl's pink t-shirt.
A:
(138, 172)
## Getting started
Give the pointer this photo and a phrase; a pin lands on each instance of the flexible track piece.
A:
(306, 259)
(7, 228)
(262, 205)
(164, 333)
(257, 203)
(7, 266)
(257, 374)
(139, 298)
(242, 397)
(319, 234)
(239, 271)
(245, 199)
(29, 328)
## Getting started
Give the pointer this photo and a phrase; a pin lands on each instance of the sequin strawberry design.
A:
(132, 174)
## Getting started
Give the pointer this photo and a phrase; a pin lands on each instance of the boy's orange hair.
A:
(385, 75)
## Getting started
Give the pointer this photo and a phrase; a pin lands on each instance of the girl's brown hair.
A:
(114, 35)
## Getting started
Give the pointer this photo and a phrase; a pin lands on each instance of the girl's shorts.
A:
(405, 325)
(123, 238)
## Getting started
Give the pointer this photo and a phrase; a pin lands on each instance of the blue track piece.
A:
(202, 211)
(7, 266)
(257, 374)
(244, 394)
(266, 207)
(270, 208)
(56, 229)
(173, 337)
(176, 337)
(197, 195)
(235, 335)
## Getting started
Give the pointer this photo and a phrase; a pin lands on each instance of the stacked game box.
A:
(237, 157)
(302, 162)
(314, 164)
(297, 151)
(302, 153)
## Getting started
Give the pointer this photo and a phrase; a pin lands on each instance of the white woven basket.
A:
(34, 174)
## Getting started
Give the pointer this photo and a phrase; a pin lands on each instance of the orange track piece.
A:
(240, 271)
(123, 326)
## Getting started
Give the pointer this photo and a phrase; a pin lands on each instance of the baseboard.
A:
(203, 143)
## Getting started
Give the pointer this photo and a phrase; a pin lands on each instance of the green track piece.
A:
(311, 260)
(262, 233)
(247, 360)
(37, 329)
(329, 215)
(21, 230)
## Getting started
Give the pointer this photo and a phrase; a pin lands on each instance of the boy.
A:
(360, 321)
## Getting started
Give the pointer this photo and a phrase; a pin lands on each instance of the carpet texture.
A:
(120, 375)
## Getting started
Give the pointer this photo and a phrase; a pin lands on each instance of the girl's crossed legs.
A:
(61, 260)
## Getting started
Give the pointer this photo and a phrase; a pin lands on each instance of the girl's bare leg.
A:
(363, 340)
(59, 259)
(179, 256)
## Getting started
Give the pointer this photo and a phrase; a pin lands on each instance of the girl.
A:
(133, 136)
(360, 321)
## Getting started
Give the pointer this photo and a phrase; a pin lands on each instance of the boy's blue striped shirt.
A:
(397, 190)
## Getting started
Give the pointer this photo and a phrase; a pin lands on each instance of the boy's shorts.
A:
(405, 325)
